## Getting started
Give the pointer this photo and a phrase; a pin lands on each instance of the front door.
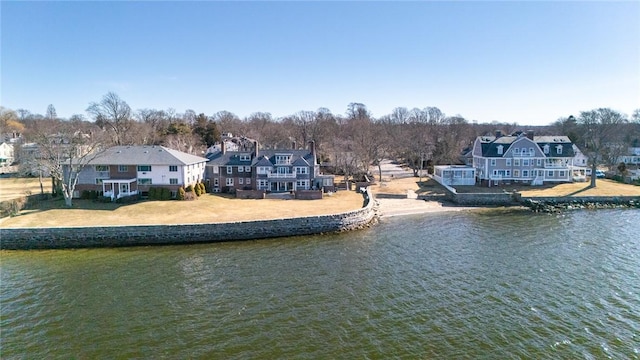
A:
(124, 188)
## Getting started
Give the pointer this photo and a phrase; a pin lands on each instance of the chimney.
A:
(312, 147)
(293, 144)
(530, 134)
(223, 147)
(255, 149)
(498, 134)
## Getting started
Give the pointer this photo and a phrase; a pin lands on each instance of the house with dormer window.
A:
(270, 170)
(523, 158)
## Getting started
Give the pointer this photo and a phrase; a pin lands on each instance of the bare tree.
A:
(64, 149)
(599, 130)
(114, 114)
(51, 112)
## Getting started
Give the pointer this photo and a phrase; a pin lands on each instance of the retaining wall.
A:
(114, 236)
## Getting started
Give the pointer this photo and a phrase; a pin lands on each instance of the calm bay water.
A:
(453, 285)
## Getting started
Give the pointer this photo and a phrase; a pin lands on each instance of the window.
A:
(263, 170)
(539, 162)
(559, 149)
(142, 181)
(99, 181)
(283, 159)
(550, 173)
(531, 152)
(229, 181)
(263, 184)
(516, 151)
(173, 168)
(123, 168)
(561, 173)
(516, 173)
(500, 149)
(516, 162)
(216, 182)
(525, 173)
(229, 169)
(173, 181)
(102, 167)
(247, 169)
(525, 162)
(507, 172)
(241, 181)
(240, 169)
(493, 162)
(245, 157)
(144, 167)
(302, 170)
(215, 169)
(247, 181)
(508, 162)
(545, 149)
(302, 184)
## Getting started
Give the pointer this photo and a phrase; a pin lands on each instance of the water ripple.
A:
(458, 285)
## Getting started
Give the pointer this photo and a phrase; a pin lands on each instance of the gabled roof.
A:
(228, 158)
(490, 145)
(145, 155)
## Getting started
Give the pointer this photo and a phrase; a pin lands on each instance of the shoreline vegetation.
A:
(398, 194)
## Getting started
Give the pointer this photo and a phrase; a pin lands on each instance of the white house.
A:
(454, 174)
(128, 170)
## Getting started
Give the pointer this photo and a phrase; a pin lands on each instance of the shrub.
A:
(203, 188)
(152, 193)
(196, 190)
(165, 194)
(181, 193)
(189, 188)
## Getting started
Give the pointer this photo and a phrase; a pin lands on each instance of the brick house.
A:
(249, 168)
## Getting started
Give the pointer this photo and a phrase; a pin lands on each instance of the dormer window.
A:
(516, 151)
(245, 157)
(283, 159)
(500, 149)
(546, 149)
(559, 149)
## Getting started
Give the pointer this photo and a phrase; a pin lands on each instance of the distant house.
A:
(523, 158)
(6, 154)
(249, 168)
(632, 157)
(128, 170)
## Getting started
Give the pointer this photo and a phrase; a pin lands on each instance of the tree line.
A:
(349, 143)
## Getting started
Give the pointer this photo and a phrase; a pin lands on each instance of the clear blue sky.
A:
(524, 62)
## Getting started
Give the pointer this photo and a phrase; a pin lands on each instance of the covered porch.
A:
(118, 188)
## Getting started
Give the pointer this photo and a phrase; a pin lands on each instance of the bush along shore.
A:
(558, 205)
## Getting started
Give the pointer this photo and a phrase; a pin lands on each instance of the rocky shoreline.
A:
(556, 206)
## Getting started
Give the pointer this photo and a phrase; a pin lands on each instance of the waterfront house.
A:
(523, 158)
(271, 170)
(129, 170)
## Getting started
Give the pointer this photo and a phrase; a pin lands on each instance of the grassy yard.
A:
(12, 188)
(209, 208)
(604, 187)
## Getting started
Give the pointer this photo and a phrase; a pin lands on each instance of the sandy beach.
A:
(401, 207)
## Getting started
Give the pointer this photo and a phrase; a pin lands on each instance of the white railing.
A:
(281, 176)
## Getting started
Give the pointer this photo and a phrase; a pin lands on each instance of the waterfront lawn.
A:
(428, 186)
(604, 187)
(209, 208)
(14, 187)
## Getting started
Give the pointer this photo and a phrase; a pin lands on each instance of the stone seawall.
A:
(116, 236)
